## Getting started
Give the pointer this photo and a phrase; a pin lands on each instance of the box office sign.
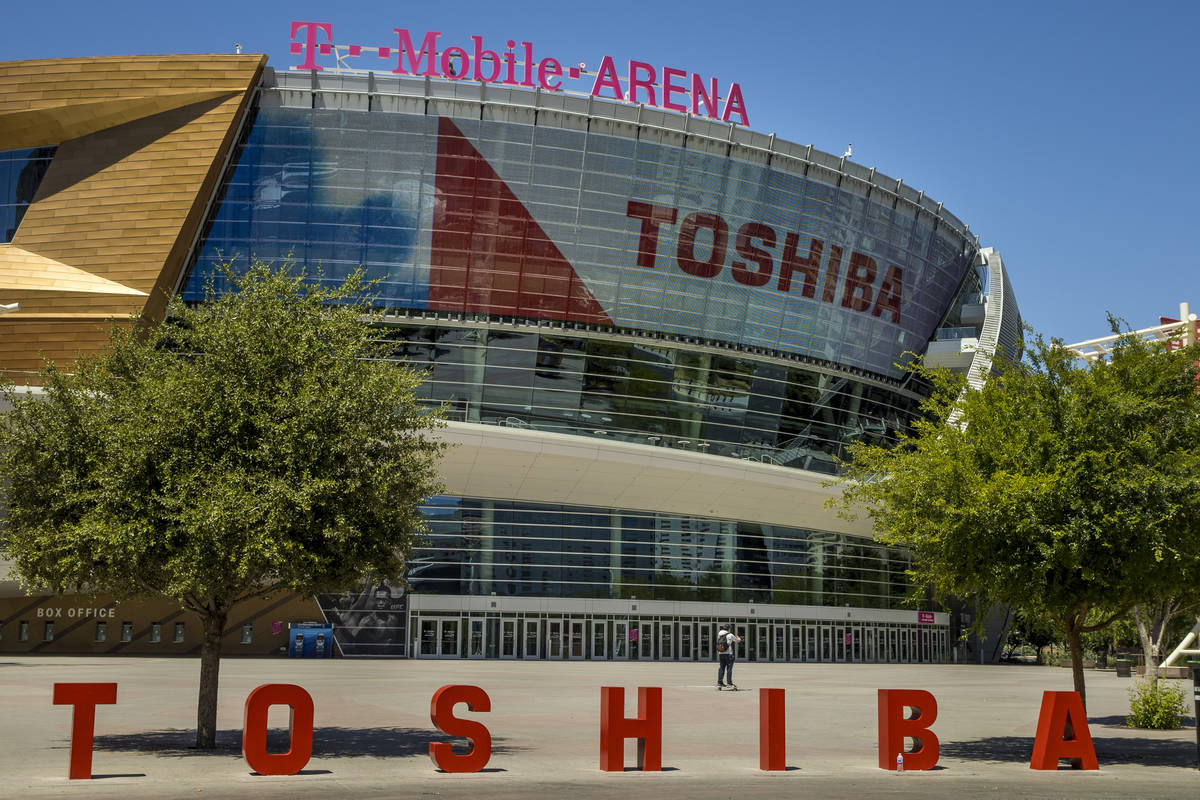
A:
(513, 64)
(76, 612)
(902, 714)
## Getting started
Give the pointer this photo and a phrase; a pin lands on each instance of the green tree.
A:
(1030, 629)
(1059, 488)
(258, 442)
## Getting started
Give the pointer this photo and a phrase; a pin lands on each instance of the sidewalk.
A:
(373, 730)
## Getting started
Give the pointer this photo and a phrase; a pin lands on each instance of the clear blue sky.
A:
(1063, 132)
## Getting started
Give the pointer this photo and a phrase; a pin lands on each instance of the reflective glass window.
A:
(21, 172)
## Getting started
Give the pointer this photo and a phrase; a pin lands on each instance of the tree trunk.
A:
(1142, 616)
(1074, 641)
(210, 667)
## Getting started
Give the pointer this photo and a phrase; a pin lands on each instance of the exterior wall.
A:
(75, 621)
(142, 141)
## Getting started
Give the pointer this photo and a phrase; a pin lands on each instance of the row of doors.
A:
(572, 638)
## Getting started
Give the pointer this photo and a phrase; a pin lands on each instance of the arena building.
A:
(655, 334)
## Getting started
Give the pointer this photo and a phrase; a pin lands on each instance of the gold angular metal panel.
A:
(23, 271)
(55, 124)
(123, 197)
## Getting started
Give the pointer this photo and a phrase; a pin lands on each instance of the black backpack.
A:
(722, 642)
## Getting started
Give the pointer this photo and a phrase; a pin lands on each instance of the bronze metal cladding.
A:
(141, 144)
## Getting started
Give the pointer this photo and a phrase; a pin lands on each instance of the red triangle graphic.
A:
(489, 255)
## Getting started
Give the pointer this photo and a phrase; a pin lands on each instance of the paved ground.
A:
(373, 730)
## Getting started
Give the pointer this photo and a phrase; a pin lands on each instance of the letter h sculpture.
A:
(615, 728)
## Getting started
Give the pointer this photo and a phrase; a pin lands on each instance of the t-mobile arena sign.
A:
(665, 87)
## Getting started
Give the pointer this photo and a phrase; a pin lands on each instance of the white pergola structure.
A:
(1184, 329)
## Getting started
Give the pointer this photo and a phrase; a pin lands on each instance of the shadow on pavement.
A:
(1109, 750)
(1118, 721)
(332, 742)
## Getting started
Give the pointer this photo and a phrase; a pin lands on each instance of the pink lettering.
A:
(709, 96)
(309, 46)
(671, 88)
(428, 52)
(607, 77)
(636, 82)
(735, 105)
(547, 68)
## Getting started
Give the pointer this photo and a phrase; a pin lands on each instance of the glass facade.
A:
(650, 392)
(512, 549)
(542, 221)
(21, 172)
(575, 273)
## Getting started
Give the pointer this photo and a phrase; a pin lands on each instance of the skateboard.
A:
(730, 688)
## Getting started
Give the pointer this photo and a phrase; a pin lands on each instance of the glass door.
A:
(797, 633)
(554, 639)
(645, 641)
(532, 638)
(599, 639)
(427, 645)
(666, 641)
(686, 629)
(448, 638)
(477, 640)
(810, 638)
(620, 645)
(577, 644)
(826, 643)
(763, 641)
(706, 637)
(780, 653)
(508, 638)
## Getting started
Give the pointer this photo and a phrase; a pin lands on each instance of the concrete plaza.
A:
(373, 730)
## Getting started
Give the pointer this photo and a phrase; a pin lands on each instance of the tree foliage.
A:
(257, 442)
(1062, 489)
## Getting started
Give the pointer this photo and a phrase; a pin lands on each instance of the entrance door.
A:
(686, 630)
(826, 643)
(869, 645)
(780, 651)
(645, 641)
(599, 639)
(448, 645)
(555, 639)
(477, 640)
(797, 638)
(438, 637)
(810, 646)
(532, 639)
(666, 641)
(577, 644)
(763, 640)
(508, 638)
(620, 645)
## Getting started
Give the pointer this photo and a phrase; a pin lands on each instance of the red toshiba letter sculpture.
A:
(894, 728)
(84, 697)
(615, 728)
(1062, 732)
(441, 712)
(771, 741)
(254, 729)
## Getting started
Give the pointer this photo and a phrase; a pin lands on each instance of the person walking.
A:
(727, 642)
